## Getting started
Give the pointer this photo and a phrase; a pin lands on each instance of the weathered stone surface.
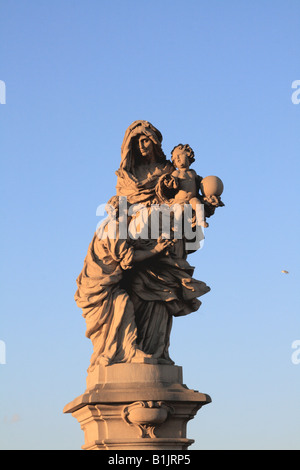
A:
(136, 406)
(136, 277)
(135, 280)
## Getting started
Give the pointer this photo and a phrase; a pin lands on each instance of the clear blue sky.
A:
(215, 74)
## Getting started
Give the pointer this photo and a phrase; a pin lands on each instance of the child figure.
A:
(188, 182)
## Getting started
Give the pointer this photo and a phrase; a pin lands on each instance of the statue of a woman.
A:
(131, 288)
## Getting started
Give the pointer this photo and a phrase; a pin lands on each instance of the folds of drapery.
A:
(121, 320)
(122, 317)
(106, 307)
(169, 280)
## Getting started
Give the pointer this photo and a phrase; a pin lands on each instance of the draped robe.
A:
(129, 306)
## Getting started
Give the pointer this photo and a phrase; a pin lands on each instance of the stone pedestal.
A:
(136, 406)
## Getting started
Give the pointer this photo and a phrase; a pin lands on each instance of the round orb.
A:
(211, 186)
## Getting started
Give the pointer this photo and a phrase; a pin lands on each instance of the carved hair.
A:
(187, 149)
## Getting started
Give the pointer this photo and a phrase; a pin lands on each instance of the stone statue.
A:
(131, 287)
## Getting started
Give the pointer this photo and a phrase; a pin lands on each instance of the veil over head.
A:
(139, 127)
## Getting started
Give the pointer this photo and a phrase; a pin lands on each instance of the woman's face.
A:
(145, 146)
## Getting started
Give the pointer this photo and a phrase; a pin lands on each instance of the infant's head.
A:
(182, 156)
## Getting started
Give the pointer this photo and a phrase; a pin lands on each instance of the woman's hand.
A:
(171, 182)
(163, 244)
